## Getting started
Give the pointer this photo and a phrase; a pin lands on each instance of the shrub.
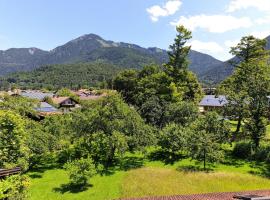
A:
(242, 150)
(80, 170)
(14, 187)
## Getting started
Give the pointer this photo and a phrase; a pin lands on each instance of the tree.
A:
(109, 127)
(21, 105)
(248, 87)
(38, 141)
(125, 82)
(248, 50)
(58, 128)
(177, 67)
(80, 171)
(13, 148)
(173, 138)
(208, 133)
(178, 62)
(182, 113)
(258, 104)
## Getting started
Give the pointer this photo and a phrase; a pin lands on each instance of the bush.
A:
(242, 150)
(80, 170)
(245, 150)
(14, 187)
(262, 153)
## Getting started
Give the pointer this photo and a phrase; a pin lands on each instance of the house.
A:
(37, 95)
(45, 109)
(85, 95)
(212, 102)
(65, 104)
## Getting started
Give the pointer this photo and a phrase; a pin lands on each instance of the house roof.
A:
(59, 100)
(210, 196)
(212, 100)
(36, 95)
(45, 108)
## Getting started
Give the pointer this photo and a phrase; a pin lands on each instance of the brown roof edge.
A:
(207, 196)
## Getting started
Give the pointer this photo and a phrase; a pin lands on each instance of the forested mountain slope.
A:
(91, 47)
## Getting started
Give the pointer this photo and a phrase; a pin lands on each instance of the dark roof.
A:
(45, 108)
(210, 196)
(36, 95)
(212, 100)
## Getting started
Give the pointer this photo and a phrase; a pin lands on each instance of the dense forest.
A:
(73, 76)
(154, 113)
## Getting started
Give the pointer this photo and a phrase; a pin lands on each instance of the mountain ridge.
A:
(91, 48)
(219, 72)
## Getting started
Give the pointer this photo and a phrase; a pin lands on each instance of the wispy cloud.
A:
(169, 8)
(262, 5)
(208, 47)
(231, 43)
(214, 23)
(261, 34)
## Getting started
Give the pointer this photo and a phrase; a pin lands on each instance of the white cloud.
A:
(207, 47)
(231, 43)
(262, 5)
(170, 8)
(214, 23)
(263, 21)
(261, 34)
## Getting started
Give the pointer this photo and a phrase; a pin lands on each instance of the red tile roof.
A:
(210, 196)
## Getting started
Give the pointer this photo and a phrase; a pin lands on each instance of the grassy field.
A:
(141, 177)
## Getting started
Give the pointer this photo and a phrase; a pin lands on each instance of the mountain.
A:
(91, 47)
(218, 72)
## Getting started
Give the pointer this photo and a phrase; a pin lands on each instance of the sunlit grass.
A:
(160, 181)
(153, 178)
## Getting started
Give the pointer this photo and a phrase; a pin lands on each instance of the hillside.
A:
(91, 47)
(219, 72)
(62, 75)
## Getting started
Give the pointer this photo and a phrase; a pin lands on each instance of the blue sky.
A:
(216, 24)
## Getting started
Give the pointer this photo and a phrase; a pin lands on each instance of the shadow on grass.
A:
(233, 162)
(192, 168)
(168, 158)
(122, 164)
(64, 188)
(35, 175)
(261, 169)
(128, 163)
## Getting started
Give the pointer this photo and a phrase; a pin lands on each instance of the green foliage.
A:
(126, 82)
(182, 113)
(177, 67)
(21, 105)
(242, 150)
(178, 52)
(80, 171)
(39, 142)
(108, 127)
(173, 138)
(208, 133)
(250, 49)
(153, 88)
(13, 149)
(14, 187)
(248, 87)
(59, 131)
(71, 76)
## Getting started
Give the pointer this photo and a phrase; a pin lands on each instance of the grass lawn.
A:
(150, 178)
